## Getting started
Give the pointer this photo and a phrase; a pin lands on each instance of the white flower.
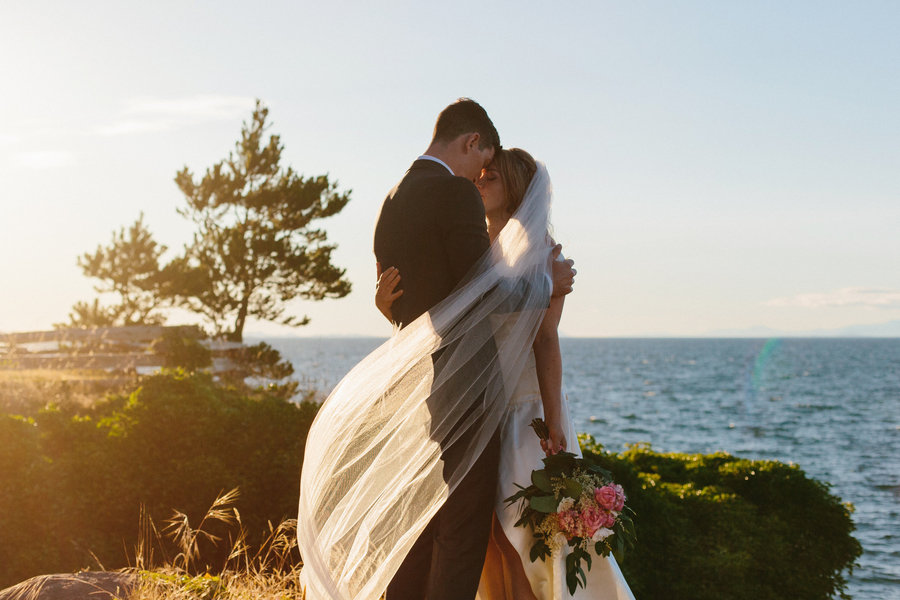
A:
(601, 534)
(556, 542)
(565, 504)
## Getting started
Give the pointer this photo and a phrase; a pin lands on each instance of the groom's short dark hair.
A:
(466, 116)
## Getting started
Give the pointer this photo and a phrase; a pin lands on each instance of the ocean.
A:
(831, 406)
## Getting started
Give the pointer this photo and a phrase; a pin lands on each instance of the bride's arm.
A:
(548, 362)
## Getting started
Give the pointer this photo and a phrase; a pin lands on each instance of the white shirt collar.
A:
(437, 160)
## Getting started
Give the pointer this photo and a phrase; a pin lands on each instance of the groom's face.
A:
(477, 159)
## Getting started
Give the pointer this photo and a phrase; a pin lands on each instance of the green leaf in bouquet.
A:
(539, 550)
(552, 462)
(522, 493)
(572, 572)
(560, 463)
(620, 545)
(572, 488)
(541, 480)
(625, 530)
(544, 504)
(628, 525)
(604, 473)
(601, 548)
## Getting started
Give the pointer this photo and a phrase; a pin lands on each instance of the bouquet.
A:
(573, 502)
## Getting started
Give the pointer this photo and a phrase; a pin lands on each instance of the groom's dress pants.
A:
(445, 562)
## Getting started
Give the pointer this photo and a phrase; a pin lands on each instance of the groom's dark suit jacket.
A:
(432, 229)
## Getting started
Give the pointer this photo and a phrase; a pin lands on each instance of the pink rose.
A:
(592, 519)
(606, 497)
(568, 523)
(620, 498)
(610, 520)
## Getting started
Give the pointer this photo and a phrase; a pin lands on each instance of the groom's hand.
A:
(563, 273)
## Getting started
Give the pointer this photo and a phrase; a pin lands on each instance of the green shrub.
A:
(73, 482)
(73, 479)
(179, 350)
(720, 527)
(23, 495)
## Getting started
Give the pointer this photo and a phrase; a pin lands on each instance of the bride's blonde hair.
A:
(516, 168)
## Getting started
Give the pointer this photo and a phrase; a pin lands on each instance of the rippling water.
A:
(830, 405)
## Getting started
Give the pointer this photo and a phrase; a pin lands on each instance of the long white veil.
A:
(405, 425)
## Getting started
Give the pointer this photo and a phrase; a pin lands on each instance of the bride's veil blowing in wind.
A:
(401, 430)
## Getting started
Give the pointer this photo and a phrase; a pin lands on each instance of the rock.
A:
(87, 585)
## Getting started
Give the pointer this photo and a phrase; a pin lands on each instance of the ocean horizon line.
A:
(807, 336)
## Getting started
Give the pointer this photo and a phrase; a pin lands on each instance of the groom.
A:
(432, 229)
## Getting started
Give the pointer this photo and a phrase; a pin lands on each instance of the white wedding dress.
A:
(520, 454)
(373, 475)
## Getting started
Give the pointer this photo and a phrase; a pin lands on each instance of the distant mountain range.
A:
(889, 329)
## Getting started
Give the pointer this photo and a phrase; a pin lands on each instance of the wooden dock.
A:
(112, 349)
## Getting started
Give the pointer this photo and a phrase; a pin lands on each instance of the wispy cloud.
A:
(153, 114)
(43, 159)
(870, 297)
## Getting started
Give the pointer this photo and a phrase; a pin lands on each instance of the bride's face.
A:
(493, 192)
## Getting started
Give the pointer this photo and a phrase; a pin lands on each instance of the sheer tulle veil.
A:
(373, 474)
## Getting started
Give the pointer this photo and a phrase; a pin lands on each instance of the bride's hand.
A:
(557, 441)
(384, 289)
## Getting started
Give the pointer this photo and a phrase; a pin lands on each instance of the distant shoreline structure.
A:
(885, 330)
(888, 330)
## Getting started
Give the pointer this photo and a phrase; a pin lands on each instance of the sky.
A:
(716, 165)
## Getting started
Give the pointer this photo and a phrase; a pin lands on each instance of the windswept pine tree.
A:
(129, 268)
(257, 244)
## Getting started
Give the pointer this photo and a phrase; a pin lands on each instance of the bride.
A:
(508, 572)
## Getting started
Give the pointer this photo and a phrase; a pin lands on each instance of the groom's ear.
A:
(472, 142)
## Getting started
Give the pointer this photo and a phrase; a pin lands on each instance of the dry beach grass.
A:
(270, 571)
